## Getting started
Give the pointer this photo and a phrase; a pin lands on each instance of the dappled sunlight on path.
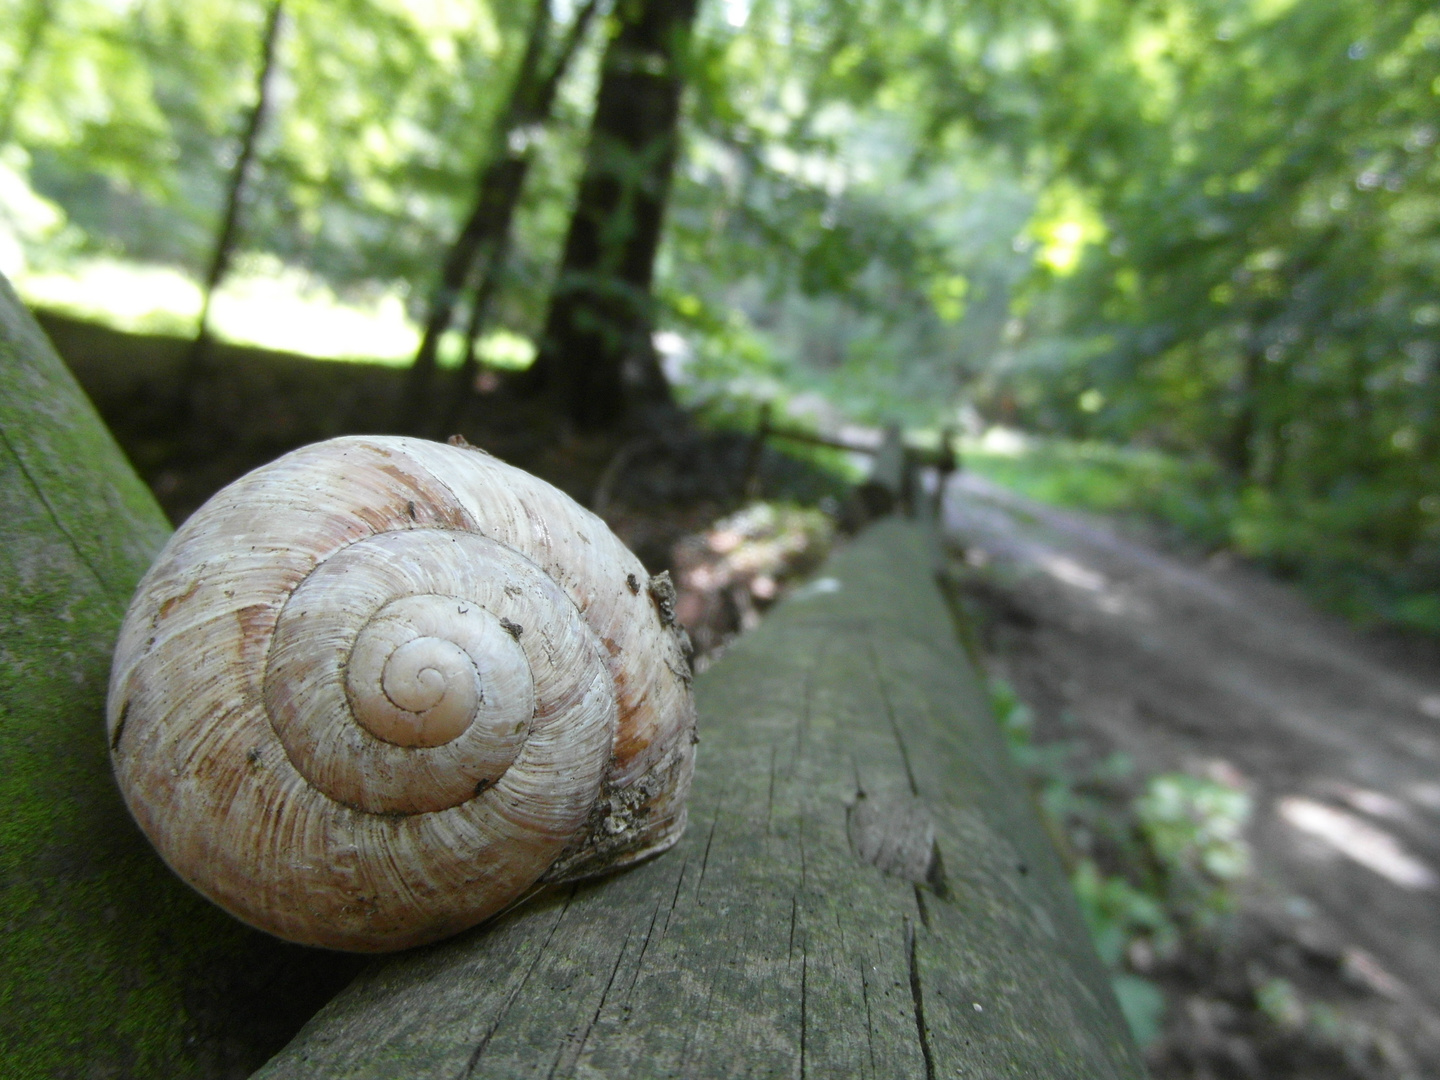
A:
(1182, 664)
(1353, 836)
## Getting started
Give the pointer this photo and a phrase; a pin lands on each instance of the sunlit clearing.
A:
(276, 307)
(1067, 571)
(1375, 803)
(1064, 225)
(127, 296)
(503, 349)
(1004, 442)
(262, 304)
(737, 12)
(1351, 836)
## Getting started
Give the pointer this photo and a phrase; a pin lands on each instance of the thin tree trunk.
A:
(1274, 412)
(491, 272)
(229, 233)
(42, 14)
(484, 239)
(1239, 449)
(596, 358)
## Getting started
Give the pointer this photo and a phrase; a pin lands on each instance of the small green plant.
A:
(1146, 874)
(1017, 722)
(1278, 999)
(1118, 913)
(1194, 831)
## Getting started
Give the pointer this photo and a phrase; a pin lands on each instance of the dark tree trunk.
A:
(596, 358)
(1239, 449)
(229, 233)
(484, 238)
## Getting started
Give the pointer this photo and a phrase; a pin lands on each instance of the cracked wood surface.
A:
(799, 929)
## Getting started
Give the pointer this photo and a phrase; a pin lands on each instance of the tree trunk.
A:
(483, 240)
(229, 233)
(1238, 450)
(111, 966)
(596, 356)
(864, 891)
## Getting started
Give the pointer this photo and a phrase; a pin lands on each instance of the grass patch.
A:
(263, 304)
(1355, 551)
(1187, 499)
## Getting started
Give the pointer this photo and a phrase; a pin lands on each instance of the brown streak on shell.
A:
(179, 598)
(435, 500)
(257, 622)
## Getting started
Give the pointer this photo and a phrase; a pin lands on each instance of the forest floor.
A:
(1330, 964)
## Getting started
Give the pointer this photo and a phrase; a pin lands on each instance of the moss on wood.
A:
(109, 965)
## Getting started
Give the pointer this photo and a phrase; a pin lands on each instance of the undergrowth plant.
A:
(1154, 860)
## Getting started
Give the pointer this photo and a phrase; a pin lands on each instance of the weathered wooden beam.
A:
(942, 456)
(109, 965)
(865, 891)
(813, 439)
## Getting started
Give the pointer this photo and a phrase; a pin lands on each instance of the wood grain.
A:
(771, 943)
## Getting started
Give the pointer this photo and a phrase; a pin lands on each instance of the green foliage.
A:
(1207, 228)
(1340, 548)
(1149, 868)
(1235, 261)
(1186, 495)
(130, 113)
(1193, 830)
(1143, 1005)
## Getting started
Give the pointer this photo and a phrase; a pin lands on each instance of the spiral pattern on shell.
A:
(372, 692)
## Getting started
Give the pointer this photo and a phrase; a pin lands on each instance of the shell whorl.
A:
(370, 693)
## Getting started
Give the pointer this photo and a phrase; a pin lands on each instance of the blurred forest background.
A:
(1176, 261)
(1177, 258)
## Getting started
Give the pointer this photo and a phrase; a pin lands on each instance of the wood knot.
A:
(896, 835)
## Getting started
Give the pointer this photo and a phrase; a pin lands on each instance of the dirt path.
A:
(1202, 667)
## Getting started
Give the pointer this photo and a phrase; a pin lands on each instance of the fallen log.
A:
(109, 965)
(865, 891)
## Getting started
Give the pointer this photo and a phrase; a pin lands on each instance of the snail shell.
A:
(372, 692)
